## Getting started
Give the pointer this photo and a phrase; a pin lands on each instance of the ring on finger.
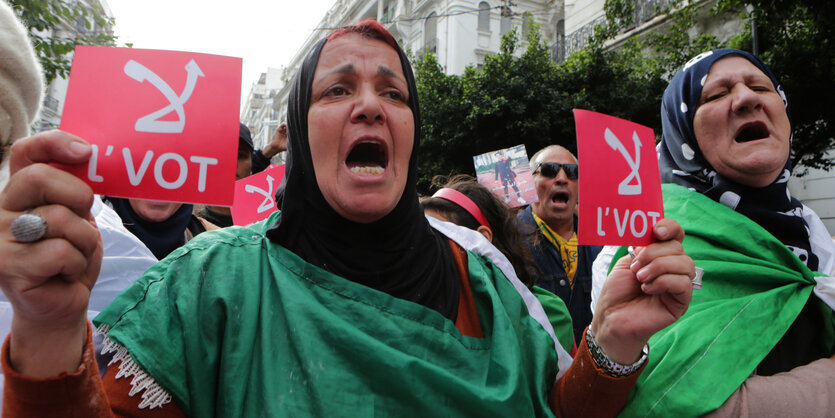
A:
(28, 227)
(697, 280)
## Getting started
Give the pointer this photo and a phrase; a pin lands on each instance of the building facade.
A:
(258, 113)
(459, 32)
(816, 189)
(463, 32)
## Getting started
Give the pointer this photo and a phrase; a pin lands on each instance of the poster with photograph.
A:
(507, 173)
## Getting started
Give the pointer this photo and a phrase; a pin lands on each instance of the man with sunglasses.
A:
(565, 267)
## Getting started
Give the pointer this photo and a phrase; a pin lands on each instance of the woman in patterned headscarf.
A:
(767, 297)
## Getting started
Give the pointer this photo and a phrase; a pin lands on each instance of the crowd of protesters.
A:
(361, 298)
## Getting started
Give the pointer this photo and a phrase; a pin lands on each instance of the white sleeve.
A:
(824, 247)
(821, 242)
(600, 271)
(125, 257)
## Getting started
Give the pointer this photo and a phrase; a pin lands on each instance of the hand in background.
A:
(278, 143)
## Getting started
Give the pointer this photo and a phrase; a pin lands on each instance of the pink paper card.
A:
(163, 124)
(255, 195)
(620, 186)
(507, 173)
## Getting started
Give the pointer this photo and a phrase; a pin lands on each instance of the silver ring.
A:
(697, 281)
(29, 227)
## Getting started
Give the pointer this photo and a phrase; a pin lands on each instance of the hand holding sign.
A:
(148, 141)
(621, 205)
(621, 190)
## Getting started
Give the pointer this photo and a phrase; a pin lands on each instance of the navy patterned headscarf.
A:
(682, 162)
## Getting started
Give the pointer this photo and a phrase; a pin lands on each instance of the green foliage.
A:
(41, 17)
(524, 99)
(796, 41)
(527, 99)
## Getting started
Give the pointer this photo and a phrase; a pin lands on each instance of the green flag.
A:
(752, 290)
(235, 325)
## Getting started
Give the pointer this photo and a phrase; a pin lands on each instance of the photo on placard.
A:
(507, 173)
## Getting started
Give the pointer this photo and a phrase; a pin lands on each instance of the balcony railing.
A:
(645, 10)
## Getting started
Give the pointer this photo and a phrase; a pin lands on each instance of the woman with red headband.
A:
(463, 201)
(347, 302)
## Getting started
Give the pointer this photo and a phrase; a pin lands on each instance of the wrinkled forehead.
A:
(347, 53)
(557, 156)
(731, 68)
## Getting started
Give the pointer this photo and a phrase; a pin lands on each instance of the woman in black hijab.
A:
(347, 301)
(398, 244)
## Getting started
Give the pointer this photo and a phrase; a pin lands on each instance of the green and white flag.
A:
(275, 336)
(752, 290)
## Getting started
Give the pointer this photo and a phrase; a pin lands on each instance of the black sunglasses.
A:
(550, 170)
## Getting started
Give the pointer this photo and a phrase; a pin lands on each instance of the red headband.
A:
(465, 202)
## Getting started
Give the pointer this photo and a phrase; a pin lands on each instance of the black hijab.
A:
(682, 162)
(400, 254)
(160, 237)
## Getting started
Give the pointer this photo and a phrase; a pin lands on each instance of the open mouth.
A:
(367, 158)
(560, 197)
(752, 132)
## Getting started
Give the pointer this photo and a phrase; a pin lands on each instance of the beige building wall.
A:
(816, 190)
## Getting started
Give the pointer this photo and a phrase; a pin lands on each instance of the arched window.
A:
(430, 33)
(484, 16)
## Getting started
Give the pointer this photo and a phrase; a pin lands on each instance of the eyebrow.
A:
(387, 72)
(342, 69)
(748, 77)
(350, 69)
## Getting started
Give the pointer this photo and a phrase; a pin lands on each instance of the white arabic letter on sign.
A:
(624, 188)
(150, 122)
(269, 200)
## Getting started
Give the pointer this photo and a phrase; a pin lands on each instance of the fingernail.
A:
(642, 274)
(635, 266)
(661, 231)
(79, 149)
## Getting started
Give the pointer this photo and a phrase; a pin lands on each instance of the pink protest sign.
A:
(163, 124)
(255, 195)
(620, 186)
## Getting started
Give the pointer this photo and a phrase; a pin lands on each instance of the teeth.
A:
(368, 170)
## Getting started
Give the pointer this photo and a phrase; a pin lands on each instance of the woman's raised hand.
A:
(644, 294)
(48, 281)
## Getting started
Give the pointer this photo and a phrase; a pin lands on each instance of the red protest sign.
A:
(620, 186)
(255, 195)
(163, 124)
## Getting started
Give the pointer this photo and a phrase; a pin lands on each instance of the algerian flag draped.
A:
(234, 325)
(753, 289)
